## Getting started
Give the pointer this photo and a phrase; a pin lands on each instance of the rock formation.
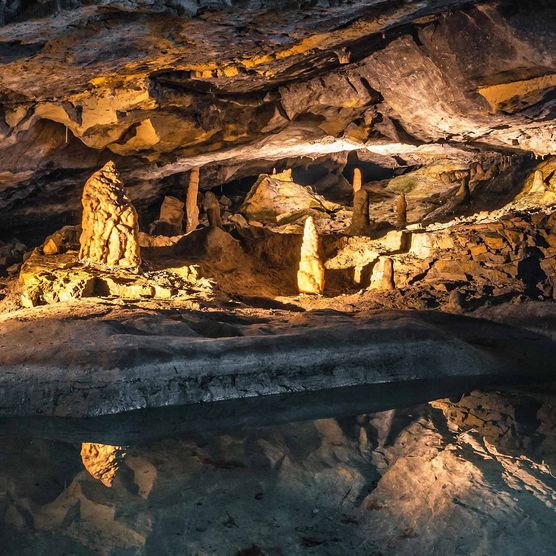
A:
(277, 199)
(212, 208)
(170, 221)
(538, 183)
(401, 211)
(357, 181)
(102, 461)
(109, 236)
(310, 276)
(191, 207)
(382, 277)
(360, 217)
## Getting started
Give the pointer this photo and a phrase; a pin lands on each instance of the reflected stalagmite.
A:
(357, 180)
(191, 208)
(110, 223)
(310, 276)
(102, 461)
(212, 207)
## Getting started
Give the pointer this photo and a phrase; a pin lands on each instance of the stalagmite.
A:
(191, 208)
(357, 181)
(401, 211)
(110, 225)
(310, 276)
(360, 216)
(382, 277)
(212, 208)
(538, 183)
(102, 461)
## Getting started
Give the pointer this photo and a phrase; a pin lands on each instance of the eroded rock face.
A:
(110, 227)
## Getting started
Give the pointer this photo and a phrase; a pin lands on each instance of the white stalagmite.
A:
(310, 276)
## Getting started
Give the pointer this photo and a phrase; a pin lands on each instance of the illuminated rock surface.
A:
(310, 275)
(109, 236)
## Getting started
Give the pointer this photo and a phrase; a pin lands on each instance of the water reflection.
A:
(473, 476)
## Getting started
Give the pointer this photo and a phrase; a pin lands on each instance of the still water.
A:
(474, 475)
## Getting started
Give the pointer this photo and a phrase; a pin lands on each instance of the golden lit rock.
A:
(310, 276)
(110, 223)
(191, 207)
(357, 180)
(102, 461)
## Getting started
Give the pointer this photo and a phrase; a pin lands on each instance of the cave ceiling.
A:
(164, 86)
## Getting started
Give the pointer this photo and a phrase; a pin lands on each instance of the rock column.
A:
(401, 211)
(109, 236)
(310, 276)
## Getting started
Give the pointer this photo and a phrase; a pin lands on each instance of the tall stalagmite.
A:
(401, 211)
(360, 217)
(191, 208)
(110, 224)
(310, 276)
(357, 180)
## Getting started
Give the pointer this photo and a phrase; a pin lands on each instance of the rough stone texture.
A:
(109, 236)
(151, 360)
(277, 199)
(310, 274)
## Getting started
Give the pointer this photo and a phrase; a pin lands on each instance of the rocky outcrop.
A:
(80, 365)
(109, 236)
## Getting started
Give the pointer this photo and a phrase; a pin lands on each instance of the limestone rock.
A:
(102, 461)
(46, 280)
(110, 225)
(191, 208)
(277, 199)
(310, 276)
